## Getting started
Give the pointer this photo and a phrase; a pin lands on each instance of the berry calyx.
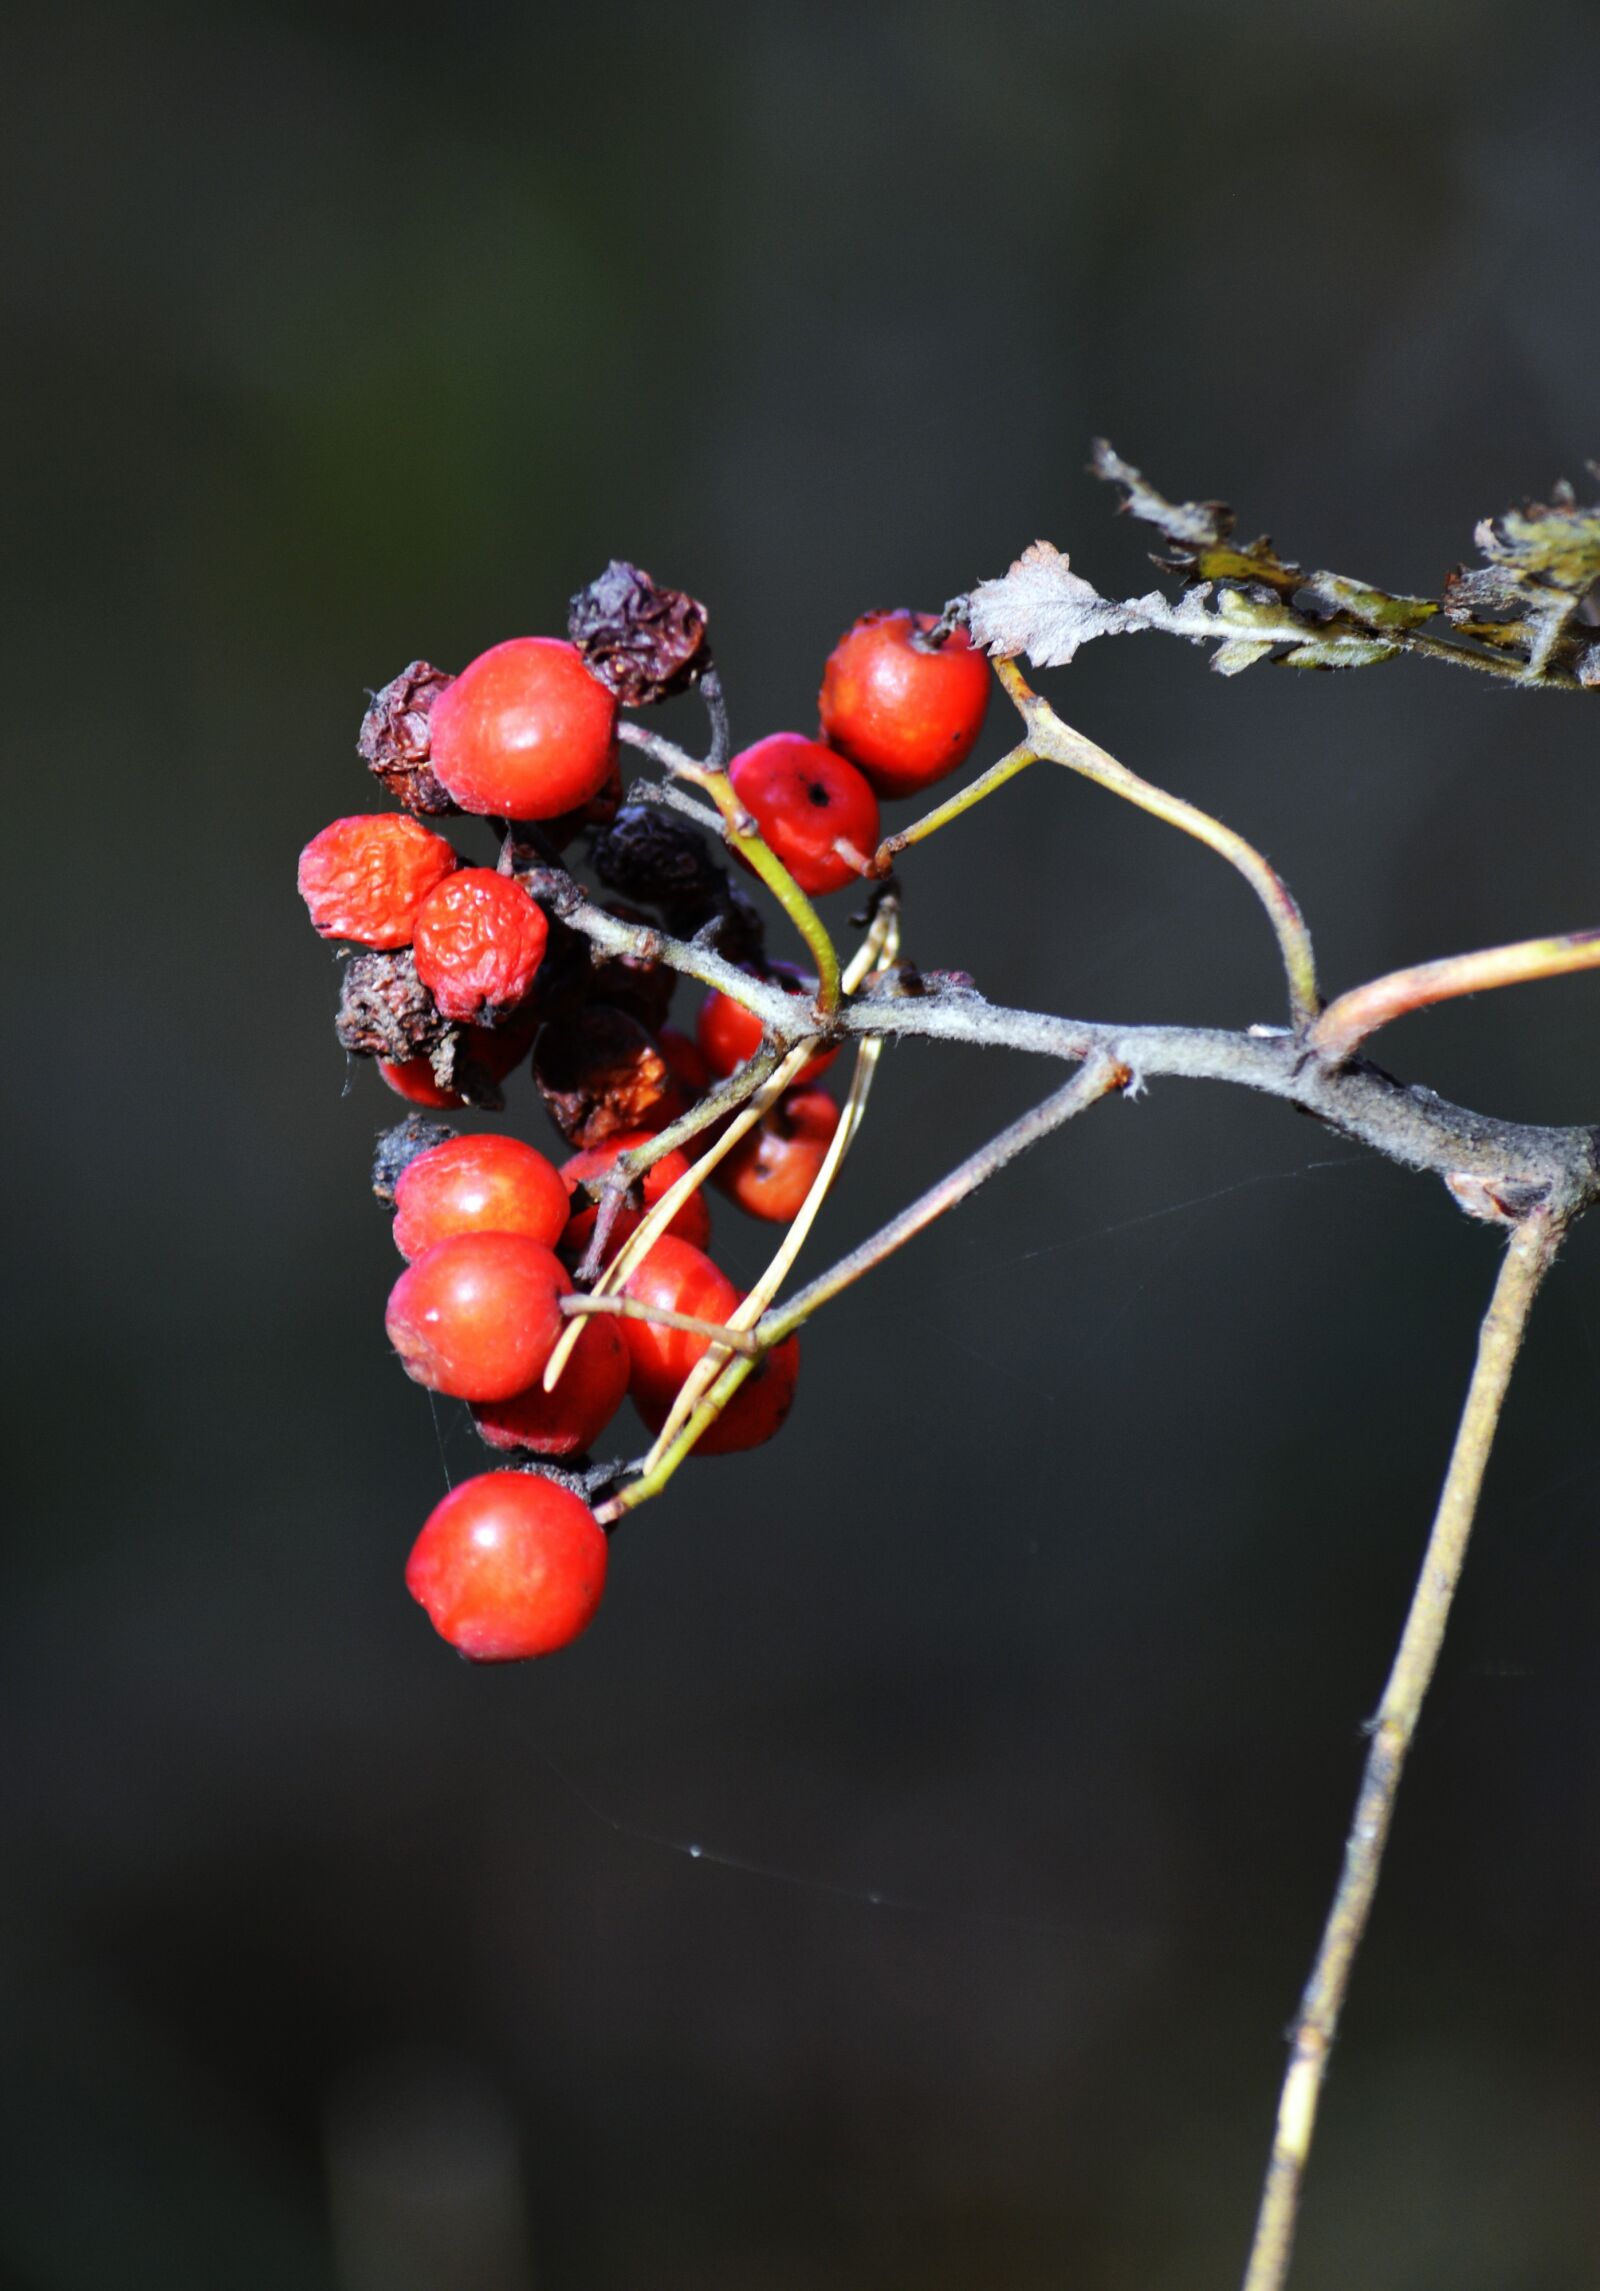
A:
(568, 1421)
(771, 1169)
(905, 711)
(509, 1565)
(692, 1222)
(807, 800)
(524, 732)
(484, 1184)
(729, 1034)
(480, 940)
(364, 878)
(478, 1315)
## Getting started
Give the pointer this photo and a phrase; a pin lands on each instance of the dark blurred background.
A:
(335, 338)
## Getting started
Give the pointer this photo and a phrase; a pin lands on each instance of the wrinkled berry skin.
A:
(568, 1421)
(385, 1011)
(393, 741)
(905, 715)
(364, 878)
(804, 797)
(643, 642)
(524, 732)
(480, 940)
(508, 1566)
(478, 1315)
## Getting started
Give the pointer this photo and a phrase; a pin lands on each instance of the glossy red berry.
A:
(478, 1315)
(692, 1222)
(905, 712)
(806, 799)
(509, 1565)
(365, 878)
(524, 731)
(675, 1277)
(771, 1169)
(729, 1034)
(479, 941)
(568, 1421)
(483, 1184)
(756, 1411)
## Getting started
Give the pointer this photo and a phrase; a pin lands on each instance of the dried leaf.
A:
(1044, 609)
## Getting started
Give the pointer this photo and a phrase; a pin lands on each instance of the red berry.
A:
(480, 939)
(692, 1223)
(805, 798)
(755, 1412)
(509, 1565)
(770, 1171)
(412, 1079)
(364, 878)
(524, 731)
(686, 1061)
(675, 1277)
(478, 1315)
(729, 1034)
(905, 713)
(568, 1421)
(484, 1184)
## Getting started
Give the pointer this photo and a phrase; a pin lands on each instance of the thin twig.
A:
(1354, 1017)
(1532, 1249)
(578, 1307)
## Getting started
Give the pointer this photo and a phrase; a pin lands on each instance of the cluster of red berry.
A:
(463, 972)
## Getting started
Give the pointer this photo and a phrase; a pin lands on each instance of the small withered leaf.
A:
(643, 642)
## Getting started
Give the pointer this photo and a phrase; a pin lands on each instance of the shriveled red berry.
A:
(568, 1421)
(364, 878)
(729, 1034)
(904, 711)
(483, 1184)
(692, 1222)
(675, 1277)
(478, 1315)
(480, 939)
(755, 1412)
(524, 731)
(509, 1565)
(806, 799)
(771, 1169)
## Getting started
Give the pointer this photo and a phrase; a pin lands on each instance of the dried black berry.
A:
(394, 739)
(398, 1148)
(642, 642)
(385, 1011)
